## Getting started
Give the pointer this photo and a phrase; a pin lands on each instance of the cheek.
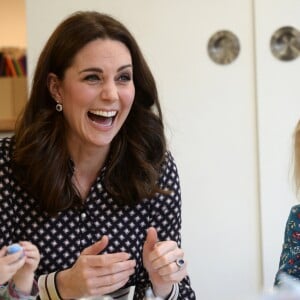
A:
(78, 95)
(128, 98)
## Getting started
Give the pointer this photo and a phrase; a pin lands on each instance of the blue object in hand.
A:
(13, 248)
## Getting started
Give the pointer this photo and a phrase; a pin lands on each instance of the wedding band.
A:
(180, 263)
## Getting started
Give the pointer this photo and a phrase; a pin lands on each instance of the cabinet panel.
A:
(13, 97)
(278, 112)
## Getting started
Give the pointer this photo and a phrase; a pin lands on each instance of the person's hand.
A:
(9, 264)
(32, 258)
(23, 278)
(94, 274)
(162, 262)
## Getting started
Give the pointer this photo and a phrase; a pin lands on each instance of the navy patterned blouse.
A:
(61, 239)
(290, 255)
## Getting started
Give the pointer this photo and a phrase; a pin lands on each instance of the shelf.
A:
(12, 100)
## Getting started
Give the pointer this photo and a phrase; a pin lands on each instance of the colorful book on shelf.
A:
(10, 65)
(17, 67)
(12, 62)
(7, 70)
(2, 64)
(22, 63)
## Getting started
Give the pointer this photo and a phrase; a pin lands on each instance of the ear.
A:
(53, 84)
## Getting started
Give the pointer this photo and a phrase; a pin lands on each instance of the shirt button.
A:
(83, 215)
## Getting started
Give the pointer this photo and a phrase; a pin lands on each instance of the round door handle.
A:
(285, 43)
(223, 47)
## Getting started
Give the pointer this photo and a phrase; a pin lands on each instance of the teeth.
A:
(104, 113)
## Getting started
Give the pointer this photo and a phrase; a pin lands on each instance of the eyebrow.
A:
(99, 70)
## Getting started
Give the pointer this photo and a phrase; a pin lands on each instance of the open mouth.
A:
(102, 117)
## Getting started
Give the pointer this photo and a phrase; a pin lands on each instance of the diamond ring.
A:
(180, 263)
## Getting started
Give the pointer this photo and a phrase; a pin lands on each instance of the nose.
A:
(109, 91)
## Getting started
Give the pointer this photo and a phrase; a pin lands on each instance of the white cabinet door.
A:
(278, 112)
(211, 114)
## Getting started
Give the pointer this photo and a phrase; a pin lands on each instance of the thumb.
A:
(151, 238)
(3, 251)
(96, 247)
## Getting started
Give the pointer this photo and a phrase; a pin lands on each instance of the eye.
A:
(124, 77)
(92, 78)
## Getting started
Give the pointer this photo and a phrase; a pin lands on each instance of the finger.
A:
(166, 250)
(151, 238)
(104, 260)
(27, 246)
(16, 265)
(162, 248)
(97, 247)
(33, 252)
(12, 258)
(175, 277)
(3, 251)
(33, 263)
(171, 269)
(115, 268)
(167, 257)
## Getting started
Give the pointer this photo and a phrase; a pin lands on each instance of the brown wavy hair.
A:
(41, 160)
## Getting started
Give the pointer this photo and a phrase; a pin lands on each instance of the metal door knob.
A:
(285, 43)
(223, 47)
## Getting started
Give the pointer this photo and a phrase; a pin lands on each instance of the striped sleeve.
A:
(47, 287)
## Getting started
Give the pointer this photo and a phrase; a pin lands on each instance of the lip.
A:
(102, 126)
(104, 112)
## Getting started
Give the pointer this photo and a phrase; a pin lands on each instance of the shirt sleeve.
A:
(290, 255)
(165, 216)
(10, 292)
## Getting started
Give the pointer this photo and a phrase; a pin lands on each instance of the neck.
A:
(87, 165)
(83, 182)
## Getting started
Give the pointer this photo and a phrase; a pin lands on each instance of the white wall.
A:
(12, 23)
(211, 119)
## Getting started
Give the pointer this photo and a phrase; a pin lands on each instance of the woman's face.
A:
(97, 92)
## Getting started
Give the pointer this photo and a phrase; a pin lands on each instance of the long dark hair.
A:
(41, 160)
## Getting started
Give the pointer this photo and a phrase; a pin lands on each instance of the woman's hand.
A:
(94, 274)
(159, 259)
(23, 279)
(9, 264)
